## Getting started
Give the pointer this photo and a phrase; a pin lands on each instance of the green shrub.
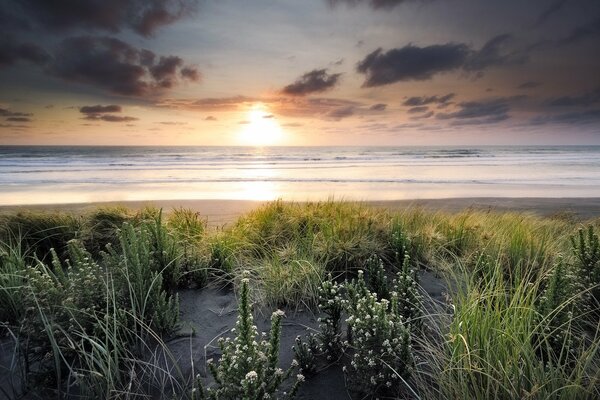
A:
(138, 275)
(248, 369)
(382, 357)
(305, 353)
(556, 306)
(331, 303)
(586, 247)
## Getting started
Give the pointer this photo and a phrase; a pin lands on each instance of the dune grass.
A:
(87, 300)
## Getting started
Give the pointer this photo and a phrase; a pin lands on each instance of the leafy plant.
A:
(382, 356)
(331, 303)
(586, 247)
(248, 369)
(306, 354)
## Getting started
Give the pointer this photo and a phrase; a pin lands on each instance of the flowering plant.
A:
(248, 368)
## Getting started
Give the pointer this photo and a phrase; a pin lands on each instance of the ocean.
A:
(76, 174)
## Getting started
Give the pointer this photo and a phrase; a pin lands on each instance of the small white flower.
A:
(300, 377)
(251, 376)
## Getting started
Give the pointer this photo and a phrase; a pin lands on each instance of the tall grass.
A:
(501, 344)
(90, 299)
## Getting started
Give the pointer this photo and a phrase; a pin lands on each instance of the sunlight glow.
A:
(261, 128)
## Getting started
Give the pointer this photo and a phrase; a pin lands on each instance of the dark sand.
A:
(208, 314)
(222, 212)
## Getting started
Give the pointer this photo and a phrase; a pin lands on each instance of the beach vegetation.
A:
(90, 301)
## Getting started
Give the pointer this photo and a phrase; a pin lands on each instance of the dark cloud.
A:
(315, 81)
(424, 100)
(571, 118)
(342, 112)
(109, 118)
(268, 116)
(210, 118)
(191, 73)
(550, 11)
(374, 4)
(478, 112)
(529, 85)
(413, 63)
(104, 113)
(423, 116)
(418, 109)
(378, 107)
(141, 16)
(496, 51)
(14, 126)
(115, 66)
(582, 32)
(18, 119)
(99, 109)
(12, 52)
(4, 112)
(583, 100)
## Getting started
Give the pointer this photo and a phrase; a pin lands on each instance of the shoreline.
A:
(220, 212)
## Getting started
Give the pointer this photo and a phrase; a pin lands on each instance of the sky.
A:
(291, 72)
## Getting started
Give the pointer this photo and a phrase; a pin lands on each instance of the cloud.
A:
(374, 4)
(478, 112)
(18, 119)
(104, 113)
(110, 118)
(171, 123)
(496, 51)
(97, 109)
(424, 100)
(210, 118)
(11, 53)
(418, 109)
(582, 32)
(287, 106)
(142, 16)
(422, 116)
(191, 73)
(342, 112)
(570, 118)
(413, 63)
(4, 112)
(315, 81)
(552, 9)
(211, 103)
(529, 85)
(583, 100)
(378, 107)
(115, 66)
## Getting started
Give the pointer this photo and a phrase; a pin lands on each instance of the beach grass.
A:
(89, 300)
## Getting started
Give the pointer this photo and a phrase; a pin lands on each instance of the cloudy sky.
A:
(291, 72)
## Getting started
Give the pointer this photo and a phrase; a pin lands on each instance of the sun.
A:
(260, 128)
